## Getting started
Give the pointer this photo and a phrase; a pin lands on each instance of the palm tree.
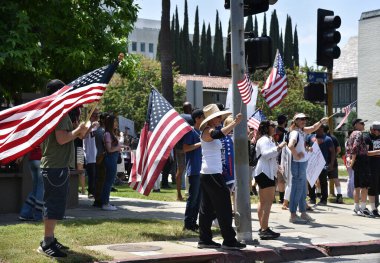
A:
(166, 55)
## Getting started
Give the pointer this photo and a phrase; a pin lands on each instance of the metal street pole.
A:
(330, 94)
(243, 215)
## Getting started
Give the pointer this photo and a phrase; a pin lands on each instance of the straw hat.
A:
(210, 112)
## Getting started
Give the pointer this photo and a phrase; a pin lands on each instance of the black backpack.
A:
(253, 160)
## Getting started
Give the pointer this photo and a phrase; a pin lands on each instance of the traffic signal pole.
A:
(243, 220)
(330, 94)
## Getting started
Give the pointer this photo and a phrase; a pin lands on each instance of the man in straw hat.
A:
(299, 165)
(215, 194)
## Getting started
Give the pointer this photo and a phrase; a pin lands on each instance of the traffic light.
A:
(314, 92)
(251, 7)
(258, 53)
(327, 38)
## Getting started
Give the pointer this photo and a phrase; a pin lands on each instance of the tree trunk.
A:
(166, 55)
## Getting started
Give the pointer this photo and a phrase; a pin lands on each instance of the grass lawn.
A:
(18, 242)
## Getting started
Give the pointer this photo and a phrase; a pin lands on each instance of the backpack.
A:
(287, 138)
(253, 160)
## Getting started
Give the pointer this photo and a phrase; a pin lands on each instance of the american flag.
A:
(163, 128)
(257, 117)
(24, 127)
(245, 89)
(346, 111)
(276, 85)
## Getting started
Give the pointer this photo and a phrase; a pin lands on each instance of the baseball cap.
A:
(376, 125)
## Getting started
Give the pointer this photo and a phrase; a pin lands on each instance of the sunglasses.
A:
(302, 119)
(362, 123)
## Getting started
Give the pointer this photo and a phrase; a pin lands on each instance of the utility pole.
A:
(243, 218)
(330, 94)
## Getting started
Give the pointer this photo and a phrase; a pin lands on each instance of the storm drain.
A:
(134, 248)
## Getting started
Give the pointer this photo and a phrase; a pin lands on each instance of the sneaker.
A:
(339, 199)
(268, 234)
(51, 251)
(209, 244)
(322, 203)
(308, 218)
(297, 220)
(190, 228)
(367, 213)
(376, 213)
(22, 218)
(358, 212)
(59, 245)
(233, 246)
(109, 207)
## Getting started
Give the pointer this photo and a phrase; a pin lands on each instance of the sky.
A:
(302, 12)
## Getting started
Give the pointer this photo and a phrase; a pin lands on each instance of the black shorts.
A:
(333, 174)
(263, 181)
(361, 172)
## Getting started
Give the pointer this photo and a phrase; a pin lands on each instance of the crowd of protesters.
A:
(203, 158)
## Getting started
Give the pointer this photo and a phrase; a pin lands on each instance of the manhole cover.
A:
(134, 248)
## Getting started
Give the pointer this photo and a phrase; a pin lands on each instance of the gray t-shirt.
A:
(99, 141)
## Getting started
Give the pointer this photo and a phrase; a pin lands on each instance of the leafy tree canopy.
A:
(40, 40)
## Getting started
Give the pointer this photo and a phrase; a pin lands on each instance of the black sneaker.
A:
(233, 246)
(322, 203)
(59, 245)
(339, 199)
(51, 251)
(376, 213)
(367, 213)
(268, 234)
(208, 244)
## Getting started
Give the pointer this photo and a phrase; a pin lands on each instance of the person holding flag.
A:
(57, 158)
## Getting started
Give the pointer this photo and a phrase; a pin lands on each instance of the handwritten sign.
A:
(315, 164)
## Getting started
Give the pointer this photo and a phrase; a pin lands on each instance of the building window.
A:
(142, 47)
(134, 46)
(150, 47)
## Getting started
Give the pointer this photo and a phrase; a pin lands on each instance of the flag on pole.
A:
(346, 111)
(276, 85)
(163, 128)
(245, 89)
(255, 119)
(24, 127)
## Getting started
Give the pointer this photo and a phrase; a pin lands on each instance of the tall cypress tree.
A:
(288, 44)
(228, 43)
(196, 53)
(187, 49)
(264, 33)
(296, 56)
(274, 32)
(209, 50)
(203, 58)
(256, 28)
(281, 44)
(249, 24)
(218, 59)
(178, 42)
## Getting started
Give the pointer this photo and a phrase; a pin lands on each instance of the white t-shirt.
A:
(89, 147)
(300, 145)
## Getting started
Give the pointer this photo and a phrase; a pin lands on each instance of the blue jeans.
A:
(298, 191)
(33, 205)
(110, 161)
(193, 201)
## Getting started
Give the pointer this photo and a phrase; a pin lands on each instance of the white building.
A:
(368, 66)
(144, 38)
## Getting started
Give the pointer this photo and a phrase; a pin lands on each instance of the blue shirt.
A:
(193, 158)
(325, 142)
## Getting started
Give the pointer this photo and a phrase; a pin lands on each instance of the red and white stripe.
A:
(154, 150)
(275, 88)
(245, 89)
(25, 126)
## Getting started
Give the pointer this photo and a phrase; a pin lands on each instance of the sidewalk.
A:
(336, 232)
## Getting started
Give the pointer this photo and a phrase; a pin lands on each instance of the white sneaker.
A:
(109, 207)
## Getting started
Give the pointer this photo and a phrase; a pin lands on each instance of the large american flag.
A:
(276, 85)
(346, 111)
(257, 117)
(163, 128)
(24, 127)
(245, 89)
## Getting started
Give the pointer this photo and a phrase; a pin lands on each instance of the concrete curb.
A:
(283, 254)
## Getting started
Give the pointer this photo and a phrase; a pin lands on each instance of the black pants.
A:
(165, 173)
(323, 184)
(215, 203)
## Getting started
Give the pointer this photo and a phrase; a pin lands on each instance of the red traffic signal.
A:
(327, 38)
